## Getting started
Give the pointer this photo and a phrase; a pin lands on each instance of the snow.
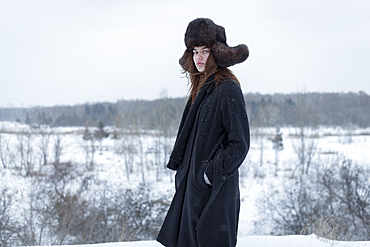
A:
(255, 241)
(109, 167)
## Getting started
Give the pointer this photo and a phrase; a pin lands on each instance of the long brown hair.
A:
(198, 79)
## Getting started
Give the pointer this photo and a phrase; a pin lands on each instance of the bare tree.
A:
(137, 131)
(260, 135)
(100, 134)
(58, 147)
(305, 148)
(165, 115)
(25, 152)
(332, 201)
(348, 184)
(141, 153)
(30, 231)
(155, 152)
(6, 224)
(89, 147)
(268, 115)
(4, 148)
(44, 145)
(306, 145)
(127, 149)
(277, 146)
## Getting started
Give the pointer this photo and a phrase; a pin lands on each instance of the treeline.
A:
(335, 109)
(123, 114)
(339, 109)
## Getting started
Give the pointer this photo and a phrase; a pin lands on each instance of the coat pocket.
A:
(200, 181)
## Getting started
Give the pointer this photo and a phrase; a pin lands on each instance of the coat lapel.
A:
(186, 125)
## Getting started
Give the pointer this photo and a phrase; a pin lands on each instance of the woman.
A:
(211, 144)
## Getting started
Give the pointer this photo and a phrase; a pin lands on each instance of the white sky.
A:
(76, 51)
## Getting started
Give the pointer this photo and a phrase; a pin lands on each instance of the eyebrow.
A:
(202, 49)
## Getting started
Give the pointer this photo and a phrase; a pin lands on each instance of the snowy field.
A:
(255, 241)
(256, 174)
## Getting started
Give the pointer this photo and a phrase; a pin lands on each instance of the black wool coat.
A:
(213, 138)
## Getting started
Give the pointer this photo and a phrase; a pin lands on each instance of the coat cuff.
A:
(172, 165)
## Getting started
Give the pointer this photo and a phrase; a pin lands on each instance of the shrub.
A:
(333, 202)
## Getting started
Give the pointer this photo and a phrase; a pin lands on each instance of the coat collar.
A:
(210, 83)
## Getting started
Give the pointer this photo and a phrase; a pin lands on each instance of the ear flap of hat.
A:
(228, 56)
(185, 58)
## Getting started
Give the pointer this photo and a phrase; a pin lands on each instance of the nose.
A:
(200, 57)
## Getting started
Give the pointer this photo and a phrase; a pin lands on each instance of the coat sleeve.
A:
(172, 164)
(235, 121)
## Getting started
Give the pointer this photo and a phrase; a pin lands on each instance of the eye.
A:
(205, 51)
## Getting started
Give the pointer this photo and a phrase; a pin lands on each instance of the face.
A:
(200, 56)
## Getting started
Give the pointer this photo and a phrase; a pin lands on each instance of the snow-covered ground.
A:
(256, 175)
(255, 241)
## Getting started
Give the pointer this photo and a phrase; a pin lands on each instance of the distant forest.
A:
(264, 110)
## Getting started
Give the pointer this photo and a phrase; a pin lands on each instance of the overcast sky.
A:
(71, 52)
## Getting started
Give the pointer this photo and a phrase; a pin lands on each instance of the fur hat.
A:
(204, 32)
